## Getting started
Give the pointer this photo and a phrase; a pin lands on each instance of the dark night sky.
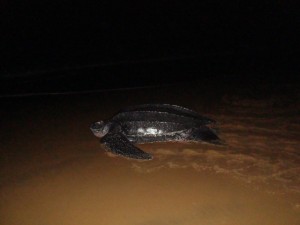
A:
(59, 41)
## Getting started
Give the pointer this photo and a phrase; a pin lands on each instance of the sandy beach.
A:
(54, 171)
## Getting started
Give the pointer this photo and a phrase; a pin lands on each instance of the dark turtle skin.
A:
(153, 123)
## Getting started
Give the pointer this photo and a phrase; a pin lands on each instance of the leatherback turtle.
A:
(152, 123)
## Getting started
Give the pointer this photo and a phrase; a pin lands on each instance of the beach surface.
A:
(54, 171)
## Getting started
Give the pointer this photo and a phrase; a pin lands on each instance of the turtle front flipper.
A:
(118, 143)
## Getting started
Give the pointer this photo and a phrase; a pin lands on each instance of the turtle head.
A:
(100, 128)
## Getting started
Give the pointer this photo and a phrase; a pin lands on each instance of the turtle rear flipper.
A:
(204, 134)
(118, 143)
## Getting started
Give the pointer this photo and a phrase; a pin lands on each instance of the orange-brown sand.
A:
(54, 171)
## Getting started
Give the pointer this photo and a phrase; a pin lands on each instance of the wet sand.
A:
(54, 171)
